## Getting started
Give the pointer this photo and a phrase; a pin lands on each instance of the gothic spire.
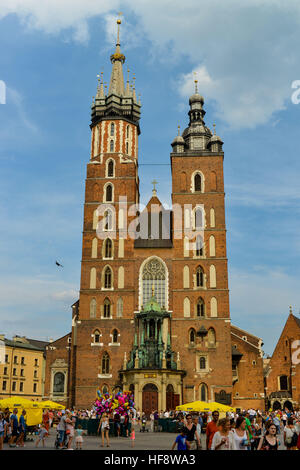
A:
(116, 86)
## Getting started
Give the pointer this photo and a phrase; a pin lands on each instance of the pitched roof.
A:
(297, 320)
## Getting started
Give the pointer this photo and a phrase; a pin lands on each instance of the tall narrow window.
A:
(111, 145)
(203, 392)
(199, 277)
(110, 169)
(212, 275)
(211, 337)
(106, 308)
(109, 193)
(108, 220)
(127, 132)
(93, 308)
(154, 274)
(192, 336)
(97, 336)
(115, 336)
(127, 148)
(199, 219)
(199, 246)
(200, 310)
(105, 363)
(202, 362)
(93, 278)
(112, 129)
(94, 247)
(197, 182)
(108, 248)
(107, 278)
(120, 307)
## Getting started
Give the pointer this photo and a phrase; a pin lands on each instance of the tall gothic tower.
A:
(107, 295)
(201, 324)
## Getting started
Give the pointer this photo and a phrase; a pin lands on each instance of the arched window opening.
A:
(200, 308)
(108, 248)
(199, 219)
(97, 336)
(127, 132)
(154, 275)
(110, 169)
(199, 277)
(106, 308)
(105, 363)
(203, 392)
(199, 246)
(197, 182)
(107, 278)
(93, 307)
(127, 148)
(109, 193)
(120, 307)
(192, 336)
(108, 220)
(104, 389)
(211, 336)
(112, 145)
(115, 336)
(202, 362)
(112, 129)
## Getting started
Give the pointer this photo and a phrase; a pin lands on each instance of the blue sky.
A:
(246, 56)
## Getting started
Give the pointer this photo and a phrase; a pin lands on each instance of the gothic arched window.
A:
(110, 169)
(197, 182)
(108, 248)
(283, 382)
(203, 392)
(211, 336)
(154, 276)
(199, 246)
(120, 307)
(106, 308)
(105, 363)
(109, 193)
(112, 145)
(200, 307)
(108, 220)
(199, 277)
(127, 148)
(97, 336)
(115, 336)
(198, 219)
(112, 129)
(93, 308)
(192, 336)
(107, 278)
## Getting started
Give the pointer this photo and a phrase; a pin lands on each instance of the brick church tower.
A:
(153, 313)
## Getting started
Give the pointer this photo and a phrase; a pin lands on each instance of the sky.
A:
(246, 56)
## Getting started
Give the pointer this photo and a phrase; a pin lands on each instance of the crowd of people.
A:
(243, 430)
(246, 430)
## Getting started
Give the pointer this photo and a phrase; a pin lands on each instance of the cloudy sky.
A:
(246, 55)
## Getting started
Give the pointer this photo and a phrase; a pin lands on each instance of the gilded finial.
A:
(196, 82)
(214, 126)
(154, 182)
(118, 23)
(178, 130)
(291, 310)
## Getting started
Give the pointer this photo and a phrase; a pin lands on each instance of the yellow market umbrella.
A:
(34, 415)
(50, 405)
(194, 406)
(204, 407)
(17, 402)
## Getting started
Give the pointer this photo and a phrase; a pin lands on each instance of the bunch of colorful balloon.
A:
(121, 402)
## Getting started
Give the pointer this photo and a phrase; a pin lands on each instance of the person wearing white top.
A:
(223, 439)
(240, 434)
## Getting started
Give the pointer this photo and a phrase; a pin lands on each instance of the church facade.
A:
(153, 313)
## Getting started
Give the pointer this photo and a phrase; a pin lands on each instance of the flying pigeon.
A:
(57, 264)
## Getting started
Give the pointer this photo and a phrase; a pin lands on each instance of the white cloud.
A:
(246, 52)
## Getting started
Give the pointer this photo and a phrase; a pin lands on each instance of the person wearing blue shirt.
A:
(22, 429)
(180, 441)
(14, 423)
